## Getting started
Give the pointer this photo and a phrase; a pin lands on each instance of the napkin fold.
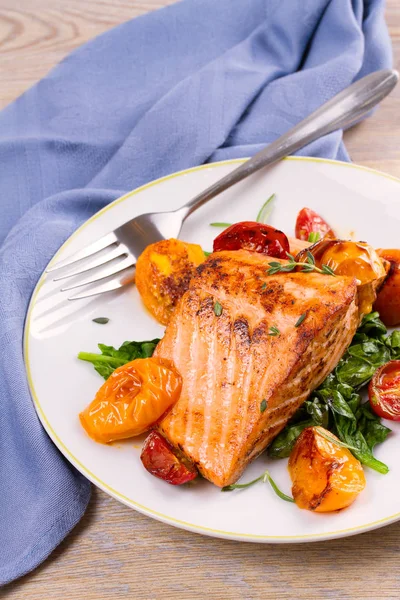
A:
(202, 80)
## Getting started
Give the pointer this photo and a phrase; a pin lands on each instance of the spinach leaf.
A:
(372, 352)
(334, 399)
(347, 431)
(372, 326)
(318, 411)
(283, 444)
(360, 362)
(353, 371)
(393, 343)
(346, 390)
(354, 402)
(111, 358)
(371, 427)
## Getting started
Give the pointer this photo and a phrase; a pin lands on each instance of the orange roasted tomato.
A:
(132, 400)
(163, 274)
(388, 301)
(325, 476)
(354, 259)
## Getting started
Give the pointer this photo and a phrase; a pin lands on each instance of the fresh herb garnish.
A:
(264, 286)
(207, 253)
(310, 258)
(326, 270)
(264, 477)
(101, 320)
(112, 358)
(263, 405)
(300, 320)
(314, 236)
(217, 309)
(307, 267)
(265, 210)
(274, 331)
(277, 491)
(218, 224)
(242, 486)
(337, 404)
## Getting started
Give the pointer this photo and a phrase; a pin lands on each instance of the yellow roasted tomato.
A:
(132, 400)
(163, 274)
(354, 259)
(325, 476)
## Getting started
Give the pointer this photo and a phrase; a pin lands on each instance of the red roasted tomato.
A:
(162, 461)
(253, 236)
(384, 391)
(308, 222)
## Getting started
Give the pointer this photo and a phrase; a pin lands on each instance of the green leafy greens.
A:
(337, 404)
(111, 358)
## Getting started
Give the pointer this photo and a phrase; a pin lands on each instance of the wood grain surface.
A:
(115, 552)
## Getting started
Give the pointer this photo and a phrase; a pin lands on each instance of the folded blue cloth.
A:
(203, 80)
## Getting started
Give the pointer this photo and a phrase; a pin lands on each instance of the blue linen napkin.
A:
(203, 80)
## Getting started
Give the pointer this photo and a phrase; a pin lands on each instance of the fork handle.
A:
(343, 110)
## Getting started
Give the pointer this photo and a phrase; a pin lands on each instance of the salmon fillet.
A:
(240, 384)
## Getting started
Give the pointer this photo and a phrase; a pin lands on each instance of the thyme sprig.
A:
(307, 267)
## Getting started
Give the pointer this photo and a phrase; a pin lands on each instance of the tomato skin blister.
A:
(255, 237)
(132, 400)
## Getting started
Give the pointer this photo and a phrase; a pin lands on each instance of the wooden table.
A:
(115, 552)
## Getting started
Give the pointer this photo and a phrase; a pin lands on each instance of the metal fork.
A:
(128, 241)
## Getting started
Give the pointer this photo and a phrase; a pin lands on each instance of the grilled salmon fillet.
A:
(241, 384)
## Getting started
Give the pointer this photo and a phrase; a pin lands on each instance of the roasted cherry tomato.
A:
(388, 301)
(354, 259)
(325, 476)
(308, 222)
(132, 400)
(163, 461)
(384, 391)
(163, 274)
(253, 236)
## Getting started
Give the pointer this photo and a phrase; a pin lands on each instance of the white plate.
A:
(357, 202)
